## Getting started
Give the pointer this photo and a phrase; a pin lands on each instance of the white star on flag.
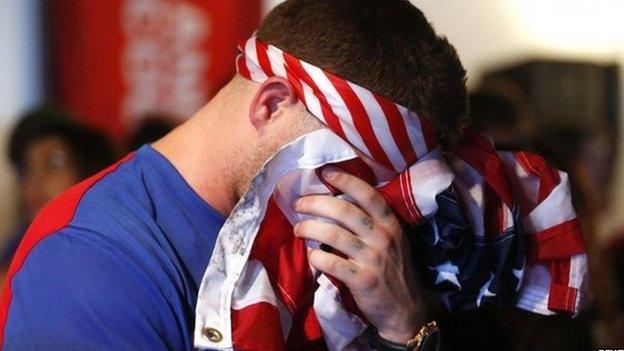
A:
(436, 233)
(485, 290)
(447, 271)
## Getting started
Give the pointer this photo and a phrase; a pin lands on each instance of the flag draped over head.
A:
(494, 227)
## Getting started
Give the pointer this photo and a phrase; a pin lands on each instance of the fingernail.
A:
(296, 229)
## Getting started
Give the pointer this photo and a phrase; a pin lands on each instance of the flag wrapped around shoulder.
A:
(494, 227)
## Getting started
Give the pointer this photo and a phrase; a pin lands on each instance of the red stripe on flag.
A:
(410, 195)
(263, 58)
(306, 333)
(257, 327)
(562, 297)
(538, 167)
(394, 194)
(493, 216)
(361, 120)
(283, 256)
(241, 66)
(430, 133)
(476, 150)
(558, 242)
(397, 129)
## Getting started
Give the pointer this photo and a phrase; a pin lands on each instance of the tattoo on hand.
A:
(367, 222)
(358, 244)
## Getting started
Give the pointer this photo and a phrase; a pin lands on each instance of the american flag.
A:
(494, 227)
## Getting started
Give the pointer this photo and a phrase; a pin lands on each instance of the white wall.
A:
(20, 84)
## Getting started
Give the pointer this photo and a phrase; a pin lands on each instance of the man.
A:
(118, 261)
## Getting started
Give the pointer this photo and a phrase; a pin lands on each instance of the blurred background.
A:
(84, 81)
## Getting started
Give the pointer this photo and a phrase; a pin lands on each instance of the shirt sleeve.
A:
(78, 292)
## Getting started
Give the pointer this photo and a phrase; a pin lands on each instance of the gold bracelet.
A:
(427, 329)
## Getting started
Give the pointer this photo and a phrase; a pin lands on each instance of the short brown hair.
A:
(387, 46)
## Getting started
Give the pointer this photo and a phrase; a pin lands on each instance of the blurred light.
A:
(573, 25)
(21, 72)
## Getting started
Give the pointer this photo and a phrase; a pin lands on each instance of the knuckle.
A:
(357, 243)
(372, 196)
(391, 224)
(375, 258)
(367, 221)
(395, 228)
(385, 242)
(367, 282)
(344, 208)
(333, 235)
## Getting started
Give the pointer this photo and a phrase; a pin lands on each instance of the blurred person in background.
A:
(50, 152)
(501, 118)
(614, 257)
(151, 128)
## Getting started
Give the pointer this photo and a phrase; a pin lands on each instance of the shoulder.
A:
(91, 293)
(58, 214)
(73, 286)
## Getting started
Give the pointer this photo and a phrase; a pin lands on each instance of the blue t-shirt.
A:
(114, 263)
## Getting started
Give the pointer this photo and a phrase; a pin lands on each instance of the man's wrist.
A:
(412, 319)
(426, 338)
(404, 334)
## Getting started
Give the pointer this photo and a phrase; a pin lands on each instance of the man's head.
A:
(50, 153)
(386, 46)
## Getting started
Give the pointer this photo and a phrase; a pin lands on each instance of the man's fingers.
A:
(342, 269)
(343, 212)
(334, 236)
(366, 196)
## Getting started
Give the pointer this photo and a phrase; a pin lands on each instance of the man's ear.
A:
(273, 93)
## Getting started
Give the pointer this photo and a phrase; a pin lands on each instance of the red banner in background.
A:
(115, 61)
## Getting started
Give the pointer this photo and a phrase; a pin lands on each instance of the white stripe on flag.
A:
(339, 326)
(429, 177)
(257, 75)
(337, 105)
(578, 270)
(535, 289)
(312, 102)
(380, 125)
(555, 209)
(414, 131)
(276, 58)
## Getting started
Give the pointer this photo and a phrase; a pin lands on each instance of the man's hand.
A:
(378, 270)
